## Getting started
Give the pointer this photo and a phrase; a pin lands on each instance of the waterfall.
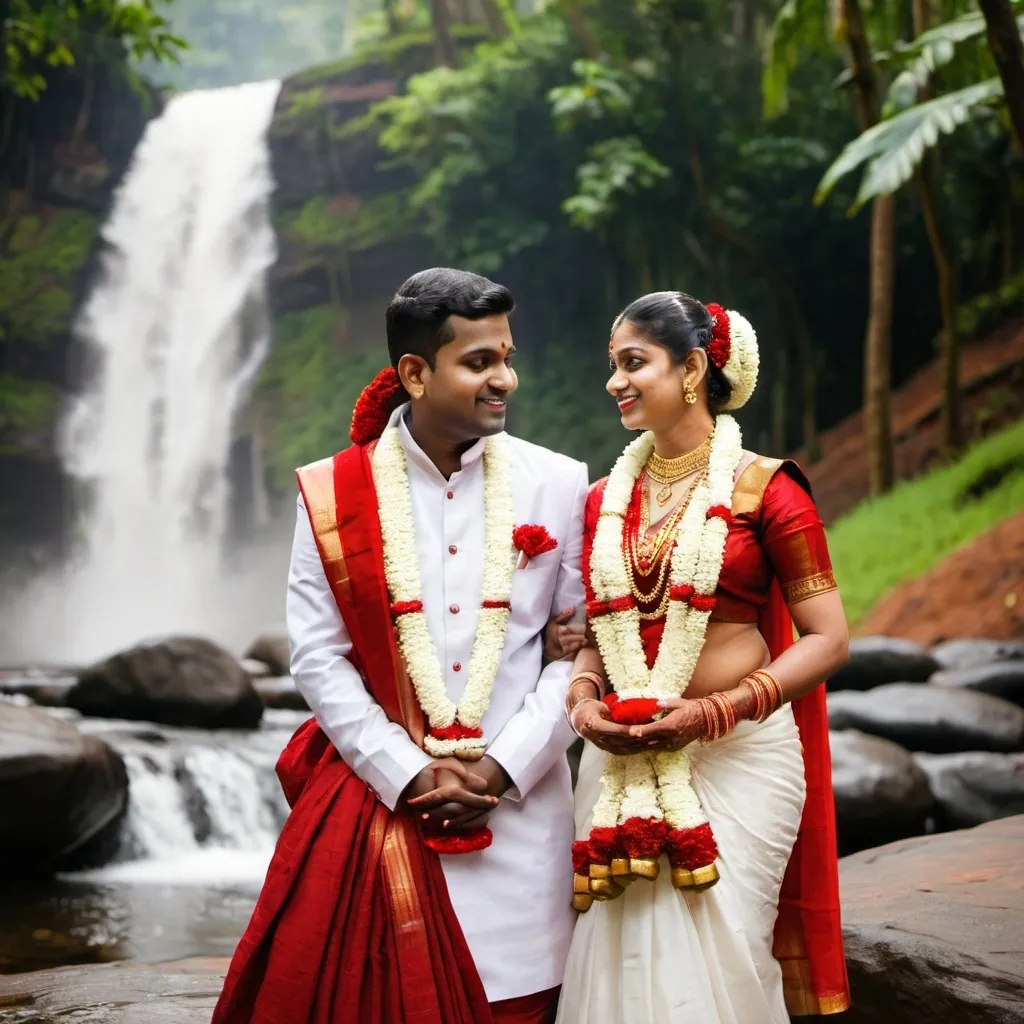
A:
(203, 806)
(177, 328)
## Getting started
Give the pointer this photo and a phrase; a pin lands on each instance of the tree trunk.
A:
(878, 348)
(1005, 43)
(391, 15)
(949, 342)
(443, 42)
(581, 28)
(878, 336)
(495, 18)
(85, 107)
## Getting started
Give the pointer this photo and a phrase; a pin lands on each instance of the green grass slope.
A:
(885, 541)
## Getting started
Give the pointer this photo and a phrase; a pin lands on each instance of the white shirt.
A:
(513, 899)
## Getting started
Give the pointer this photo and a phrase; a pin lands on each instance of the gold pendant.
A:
(664, 495)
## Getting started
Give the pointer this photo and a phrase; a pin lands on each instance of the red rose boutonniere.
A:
(531, 540)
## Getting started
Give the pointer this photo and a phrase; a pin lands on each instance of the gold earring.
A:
(688, 393)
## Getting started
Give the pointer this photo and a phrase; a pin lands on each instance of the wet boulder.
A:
(933, 928)
(933, 719)
(880, 793)
(974, 787)
(185, 681)
(280, 693)
(62, 794)
(271, 649)
(877, 660)
(1000, 679)
(973, 652)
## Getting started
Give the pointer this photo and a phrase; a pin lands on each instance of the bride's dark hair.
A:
(680, 323)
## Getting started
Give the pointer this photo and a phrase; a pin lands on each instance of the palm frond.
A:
(936, 47)
(892, 149)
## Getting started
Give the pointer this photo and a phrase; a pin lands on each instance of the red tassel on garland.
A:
(691, 848)
(644, 837)
(457, 731)
(460, 842)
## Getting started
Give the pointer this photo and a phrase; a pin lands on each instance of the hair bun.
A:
(733, 349)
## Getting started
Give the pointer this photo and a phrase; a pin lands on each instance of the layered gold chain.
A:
(671, 471)
(648, 554)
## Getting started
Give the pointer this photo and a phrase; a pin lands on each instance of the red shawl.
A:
(354, 923)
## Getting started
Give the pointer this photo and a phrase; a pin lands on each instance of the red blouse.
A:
(775, 533)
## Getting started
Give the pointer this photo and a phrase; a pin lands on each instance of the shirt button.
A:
(454, 609)
(457, 667)
(452, 549)
(450, 494)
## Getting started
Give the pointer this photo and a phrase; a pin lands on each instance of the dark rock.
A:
(877, 660)
(1000, 679)
(880, 793)
(272, 650)
(975, 787)
(62, 794)
(183, 681)
(45, 686)
(934, 719)
(256, 669)
(179, 992)
(934, 928)
(280, 693)
(971, 652)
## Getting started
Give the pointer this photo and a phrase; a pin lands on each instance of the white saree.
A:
(656, 956)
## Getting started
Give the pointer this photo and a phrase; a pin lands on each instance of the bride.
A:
(705, 857)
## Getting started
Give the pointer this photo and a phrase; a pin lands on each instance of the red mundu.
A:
(776, 553)
(354, 922)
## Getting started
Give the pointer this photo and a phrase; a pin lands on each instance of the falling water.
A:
(178, 326)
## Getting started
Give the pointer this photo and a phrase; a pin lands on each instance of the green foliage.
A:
(464, 133)
(900, 536)
(38, 263)
(615, 167)
(801, 28)
(349, 225)
(308, 389)
(893, 149)
(28, 413)
(55, 33)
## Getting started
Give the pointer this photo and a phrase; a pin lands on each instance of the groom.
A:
(360, 918)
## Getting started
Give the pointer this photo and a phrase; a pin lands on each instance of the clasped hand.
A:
(454, 796)
(683, 724)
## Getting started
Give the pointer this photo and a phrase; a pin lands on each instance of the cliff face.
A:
(63, 159)
(346, 242)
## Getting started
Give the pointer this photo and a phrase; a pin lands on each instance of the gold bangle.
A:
(594, 677)
(767, 691)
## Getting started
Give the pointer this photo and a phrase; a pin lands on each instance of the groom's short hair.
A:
(418, 315)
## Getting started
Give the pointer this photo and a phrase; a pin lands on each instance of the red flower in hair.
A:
(720, 345)
(370, 416)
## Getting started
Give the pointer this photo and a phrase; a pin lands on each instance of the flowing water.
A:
(205, 810)
(175, 330)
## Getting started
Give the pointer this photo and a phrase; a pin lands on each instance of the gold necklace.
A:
(671, 471)
(645, 553)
